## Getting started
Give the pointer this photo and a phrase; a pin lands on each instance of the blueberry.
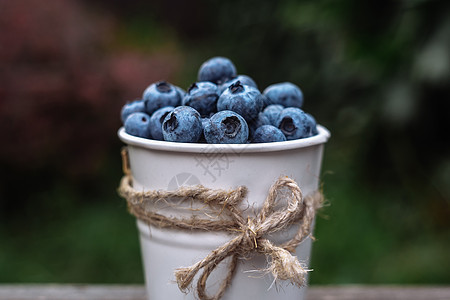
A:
(294, 123)
(244, 79)
(203, 97)
(217, 69)
(262, 120)
(255, 124)
(182, 124)
(138, 124)
(131, 107)
(266, 101)
(156, 121)
(272, 112)
(226, 127)
(204, 122)
(312, 123)
(268, 134)
(160, 94)
(242, 99)
(181, 92)
(285, 93)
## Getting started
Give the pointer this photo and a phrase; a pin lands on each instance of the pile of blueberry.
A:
(221, 108)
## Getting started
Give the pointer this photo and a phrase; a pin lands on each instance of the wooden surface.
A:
(137, 292)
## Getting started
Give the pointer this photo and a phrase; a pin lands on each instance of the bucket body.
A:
(165, 165)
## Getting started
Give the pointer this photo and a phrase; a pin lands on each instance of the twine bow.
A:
(252, 232)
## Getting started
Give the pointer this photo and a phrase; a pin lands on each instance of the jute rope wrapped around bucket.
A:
(248, 234)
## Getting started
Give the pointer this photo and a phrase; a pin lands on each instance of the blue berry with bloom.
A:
(160, 94)
(226, 127)
(244, 79)
(138, 124)
(255, 124)
(131, 107)
(268, 134)
(183, 124)
(284, 93)
(156, 120)
(203, 97)
(294, 123)
(311, 122)
(217, 70)
(272, 112)
(262, 120)
(204, 122)
(242, 99)
(181, 92)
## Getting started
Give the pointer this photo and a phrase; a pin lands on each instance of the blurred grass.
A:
(97, 244)
(361, 238)
(90, 242)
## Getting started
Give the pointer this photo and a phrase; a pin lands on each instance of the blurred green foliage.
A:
(375, 73)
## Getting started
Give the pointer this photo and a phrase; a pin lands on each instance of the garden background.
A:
(375, 73)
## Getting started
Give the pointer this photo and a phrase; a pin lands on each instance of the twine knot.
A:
(251, 232)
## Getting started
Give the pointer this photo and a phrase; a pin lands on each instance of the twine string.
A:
(251, 231)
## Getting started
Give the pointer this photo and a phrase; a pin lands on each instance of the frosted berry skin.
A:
(131, 107)
(180, 91)
(312, 123)
(255, 124)
(284, 93)
(266, 101)
(202, 137)
(217, 70)
(138, 124)
(272, 112)
(202, 96)
(183, 124)
(244, 79)
(242, 99)
(226, 127)
(268, 134)
(160, 94)
(156, 120)
(262, 120)
(294, 123)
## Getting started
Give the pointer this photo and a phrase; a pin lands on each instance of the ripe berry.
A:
(160, 94)
(244, 79)
(131, 107)
(217, 69)
(294, 123)
(242, 99)
(138, 124)
(272, 112)
(268, 134)
(285, 93)
(226, 127)
(156, 121)
(182, 124)
(203, 97)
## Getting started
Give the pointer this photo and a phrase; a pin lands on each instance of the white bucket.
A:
(165, 165)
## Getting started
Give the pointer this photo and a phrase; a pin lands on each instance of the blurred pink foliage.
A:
(63, 81)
